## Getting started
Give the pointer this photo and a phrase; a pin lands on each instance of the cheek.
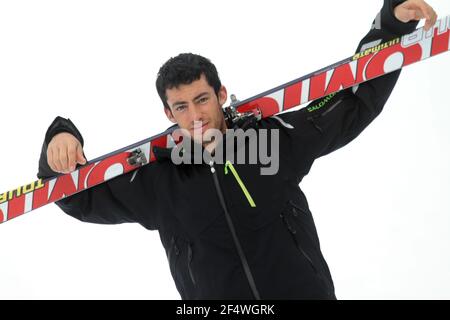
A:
(182, 123)
(215, 110)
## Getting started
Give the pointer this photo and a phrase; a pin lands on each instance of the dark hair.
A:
(184, 69)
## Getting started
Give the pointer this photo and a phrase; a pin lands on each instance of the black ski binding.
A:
(235, 119)
(137, 158)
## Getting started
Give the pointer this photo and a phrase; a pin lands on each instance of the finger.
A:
(431, 17)
(53, 165)
(424, 9)
(418, 15)
(409, 15)
(406, 15)
(56, 162)
(428, 17)
(420, 10)
(429, 23)
(80, 157)
(63, 159)
(50, 158)
(72, 157)
(434, 16)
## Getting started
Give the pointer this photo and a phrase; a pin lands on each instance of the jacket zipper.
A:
(314, 117)
(228, 164)
(293, 231)
(242, 257)
(295, 214)
(173, 250)
(331, 108)
(191, 274)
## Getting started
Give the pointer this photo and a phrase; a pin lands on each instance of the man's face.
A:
(196, 106)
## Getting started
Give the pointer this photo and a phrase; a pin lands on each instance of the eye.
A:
(180, 108)
(203, 100)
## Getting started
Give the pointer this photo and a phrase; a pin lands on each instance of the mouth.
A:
(202, 128)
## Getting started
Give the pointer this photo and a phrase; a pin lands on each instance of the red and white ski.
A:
(363, 66)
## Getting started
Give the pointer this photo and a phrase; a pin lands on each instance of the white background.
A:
(381, 204)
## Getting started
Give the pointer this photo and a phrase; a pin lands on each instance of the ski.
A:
(361, 67)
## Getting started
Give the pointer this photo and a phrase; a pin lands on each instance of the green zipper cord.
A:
(228, 164)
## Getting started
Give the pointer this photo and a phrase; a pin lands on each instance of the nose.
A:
(194, 114)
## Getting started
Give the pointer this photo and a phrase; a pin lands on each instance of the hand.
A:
(416, 10)
(64, 152)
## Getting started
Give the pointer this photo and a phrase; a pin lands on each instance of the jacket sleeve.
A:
(330, 123)
(118, 200)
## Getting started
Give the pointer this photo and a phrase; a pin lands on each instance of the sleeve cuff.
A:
(62, 125)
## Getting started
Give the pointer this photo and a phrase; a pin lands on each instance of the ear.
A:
(222, 95)
(169, 115)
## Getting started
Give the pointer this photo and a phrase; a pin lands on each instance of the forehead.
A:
(189, 91)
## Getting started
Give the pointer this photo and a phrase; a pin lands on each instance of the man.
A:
(230, 232)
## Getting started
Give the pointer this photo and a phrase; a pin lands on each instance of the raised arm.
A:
(331, 122)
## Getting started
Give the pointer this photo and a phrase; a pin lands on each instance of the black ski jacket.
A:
(218, 245)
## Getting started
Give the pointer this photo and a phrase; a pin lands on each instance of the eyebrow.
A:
(184, 102)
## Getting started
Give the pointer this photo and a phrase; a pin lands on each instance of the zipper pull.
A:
(228, 164)
(289, 226)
